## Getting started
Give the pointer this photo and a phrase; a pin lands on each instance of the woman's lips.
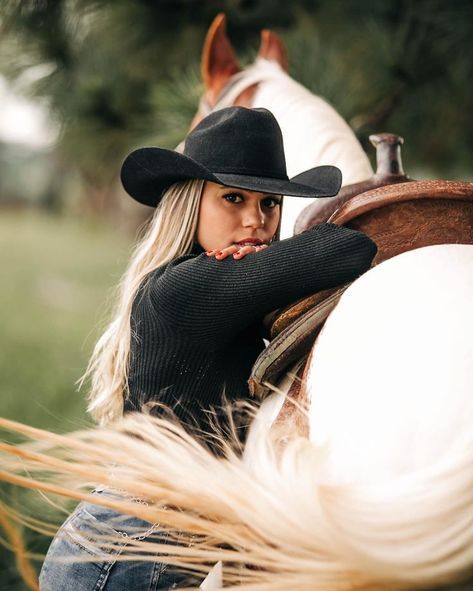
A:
(250, 242)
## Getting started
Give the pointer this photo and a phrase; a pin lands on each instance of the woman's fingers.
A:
(244, 250)
(222, 254)
(238, 252)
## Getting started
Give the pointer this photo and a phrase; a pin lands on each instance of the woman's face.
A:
(229, 216)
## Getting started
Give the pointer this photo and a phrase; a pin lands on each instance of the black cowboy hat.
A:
(235, 147)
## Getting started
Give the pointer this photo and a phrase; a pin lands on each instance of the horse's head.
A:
(220, 67)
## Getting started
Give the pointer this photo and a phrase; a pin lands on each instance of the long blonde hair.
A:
(170, 234)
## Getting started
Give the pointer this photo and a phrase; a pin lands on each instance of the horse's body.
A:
(390, 383)
(314, 133)
(403, 371)
(413, 303)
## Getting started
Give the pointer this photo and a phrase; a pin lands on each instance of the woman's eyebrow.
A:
(234, 189)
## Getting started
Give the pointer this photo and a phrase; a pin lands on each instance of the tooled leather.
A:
(291, 344)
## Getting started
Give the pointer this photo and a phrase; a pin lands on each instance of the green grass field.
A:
(57, 276)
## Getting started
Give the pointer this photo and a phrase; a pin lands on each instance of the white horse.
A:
(379, 496)
(313, 132)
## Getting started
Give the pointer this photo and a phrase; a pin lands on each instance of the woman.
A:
(187, 329)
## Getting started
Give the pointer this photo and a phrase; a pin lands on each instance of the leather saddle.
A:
(399, 218)
(293, 333)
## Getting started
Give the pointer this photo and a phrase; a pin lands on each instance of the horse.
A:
(313, 132)
(378, 495)
(363, 480)
(363, 497)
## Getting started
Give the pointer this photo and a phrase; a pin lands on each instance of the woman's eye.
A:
(271, 202)
(233, 197)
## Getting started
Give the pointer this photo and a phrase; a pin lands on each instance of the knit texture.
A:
(196, 321)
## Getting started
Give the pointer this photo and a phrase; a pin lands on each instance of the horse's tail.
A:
(15, 543)
(277, 523)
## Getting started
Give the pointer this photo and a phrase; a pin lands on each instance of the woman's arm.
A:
(208, 297)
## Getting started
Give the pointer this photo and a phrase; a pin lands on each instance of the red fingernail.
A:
(219, 253)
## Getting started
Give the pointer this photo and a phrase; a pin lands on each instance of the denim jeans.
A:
(80, 536)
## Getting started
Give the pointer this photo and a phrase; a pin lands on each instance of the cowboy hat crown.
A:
(235, 147)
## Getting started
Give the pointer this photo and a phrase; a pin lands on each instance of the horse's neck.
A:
(314, 133)
(239, 83)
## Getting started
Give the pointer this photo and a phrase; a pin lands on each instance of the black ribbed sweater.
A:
(196, 321)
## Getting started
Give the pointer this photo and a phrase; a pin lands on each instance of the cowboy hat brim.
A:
(147, 172)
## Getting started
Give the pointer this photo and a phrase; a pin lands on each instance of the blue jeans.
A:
(80, 536)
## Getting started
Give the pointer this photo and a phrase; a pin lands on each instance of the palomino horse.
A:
(377, 497)
(314, 133)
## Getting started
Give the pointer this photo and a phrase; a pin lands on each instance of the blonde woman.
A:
(188, 324)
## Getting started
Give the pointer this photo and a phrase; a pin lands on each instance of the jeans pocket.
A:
(91, 534)
(81, 555)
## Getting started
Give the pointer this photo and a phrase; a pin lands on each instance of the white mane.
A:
(314, 133)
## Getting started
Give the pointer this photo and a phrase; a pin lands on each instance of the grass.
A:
(57, 276)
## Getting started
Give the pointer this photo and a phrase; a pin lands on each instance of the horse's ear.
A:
(273, 49)
(219, 60)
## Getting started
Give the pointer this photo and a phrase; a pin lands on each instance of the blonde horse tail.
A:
(16, 544)
(278, 523)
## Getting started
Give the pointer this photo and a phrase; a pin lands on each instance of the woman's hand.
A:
(238, 252)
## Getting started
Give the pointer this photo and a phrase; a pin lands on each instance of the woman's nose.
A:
(253, 217)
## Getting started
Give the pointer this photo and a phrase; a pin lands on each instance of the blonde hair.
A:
(170, 234)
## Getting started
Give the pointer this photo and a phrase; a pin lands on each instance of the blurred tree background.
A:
(116, 74)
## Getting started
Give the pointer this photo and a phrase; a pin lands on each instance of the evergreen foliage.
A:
(121, 73)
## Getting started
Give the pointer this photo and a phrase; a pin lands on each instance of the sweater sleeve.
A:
(208, 298)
